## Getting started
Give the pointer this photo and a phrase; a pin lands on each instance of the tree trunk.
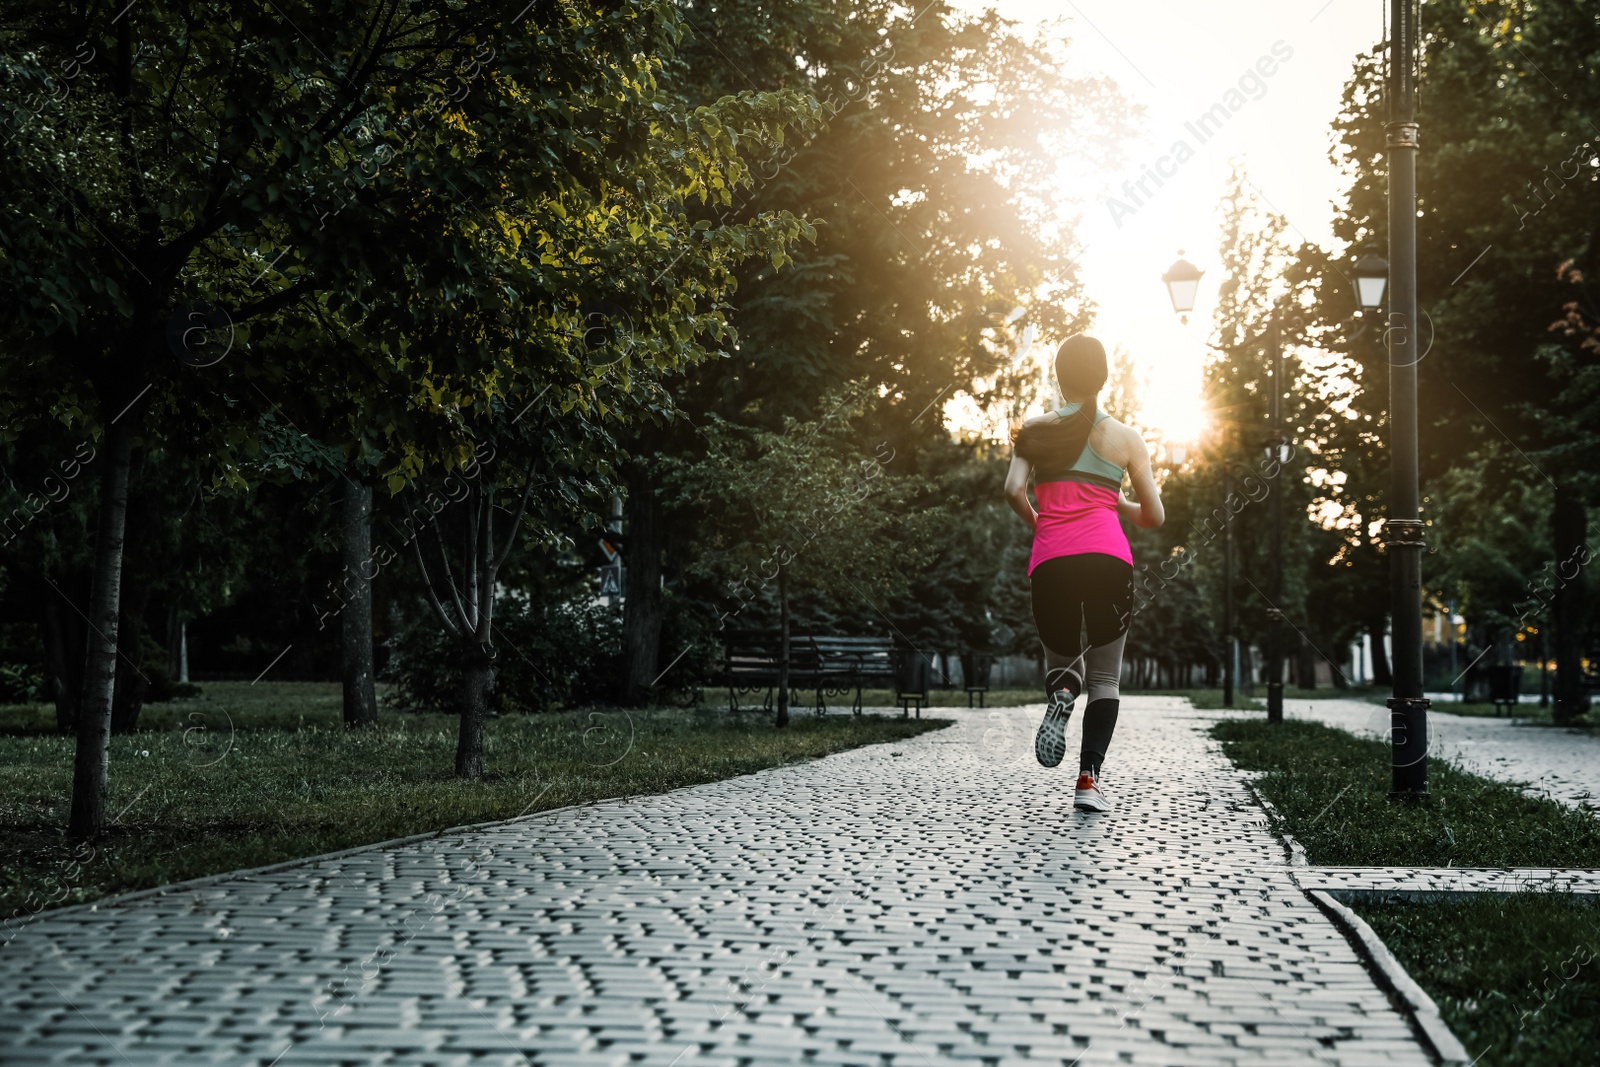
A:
(63, 632)
(355, 621)
(1381, 674)
(475, 683)
(174, 643)
(642, 602)
(132, 684)
(1544, 665)
(1308, 664)
(1568, 522)
(783, 649)
(1340, 679)
(89, 765)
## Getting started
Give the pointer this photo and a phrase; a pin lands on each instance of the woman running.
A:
(1082, 564)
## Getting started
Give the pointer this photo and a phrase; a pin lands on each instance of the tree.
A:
(812, 512)
(1515, 76)
(337, 156)
(940, 130)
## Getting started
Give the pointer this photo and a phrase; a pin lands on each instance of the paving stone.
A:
(928, 901)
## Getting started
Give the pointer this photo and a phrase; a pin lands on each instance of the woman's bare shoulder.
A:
(1121, 437)
(1121, 429)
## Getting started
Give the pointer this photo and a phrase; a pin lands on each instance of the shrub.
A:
(549, 656)
(20, 684)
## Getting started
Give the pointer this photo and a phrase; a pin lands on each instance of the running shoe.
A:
(1050, 743)
(1089, 797)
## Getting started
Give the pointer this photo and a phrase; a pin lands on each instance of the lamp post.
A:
(1277, 448)
(1182, 280)
(1403, 530)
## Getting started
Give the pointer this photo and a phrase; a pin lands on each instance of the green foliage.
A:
(20, 683)
(811, 501)
(1508, 189)
(551, 655)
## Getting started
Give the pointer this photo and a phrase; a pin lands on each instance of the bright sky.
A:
(1177, 60)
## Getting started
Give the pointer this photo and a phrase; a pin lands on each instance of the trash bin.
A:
(1505, 685)
(910, 679)
(975, 668)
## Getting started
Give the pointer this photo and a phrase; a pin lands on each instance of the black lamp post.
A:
(1403, 529)
(1183, 287)
(1277, 454)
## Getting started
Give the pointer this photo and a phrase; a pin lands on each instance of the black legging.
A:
(1091, 592)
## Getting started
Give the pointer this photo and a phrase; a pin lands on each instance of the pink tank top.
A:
(1077, 518)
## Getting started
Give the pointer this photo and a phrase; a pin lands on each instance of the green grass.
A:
(1331, 789)
(247, 776)
(1204, 699)
(1525, 714)
(261, 706)
(937, 698)
(1326, 692)
(1516, 974)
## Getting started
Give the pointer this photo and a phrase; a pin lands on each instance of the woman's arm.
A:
(1017, 491)
(1148, 512)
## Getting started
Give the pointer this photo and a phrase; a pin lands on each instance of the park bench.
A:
(847, 663)
(826, 664)
(752, 662)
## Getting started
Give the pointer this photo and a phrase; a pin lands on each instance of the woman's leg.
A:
(1108, 608)
(1058, 613)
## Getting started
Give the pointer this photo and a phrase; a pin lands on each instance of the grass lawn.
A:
(249, 775)
(1205, 699)
(1525, 714)
(1331, 789)
(884, 698)
(1515, 974)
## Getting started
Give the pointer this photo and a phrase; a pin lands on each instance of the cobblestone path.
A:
(1545, 761)
(926, 902)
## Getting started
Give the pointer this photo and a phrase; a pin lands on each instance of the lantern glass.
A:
(1369, 291)
(1183, 284)
(1372, 278)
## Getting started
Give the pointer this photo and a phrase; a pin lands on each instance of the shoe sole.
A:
(1050, 743)
(1090, 803)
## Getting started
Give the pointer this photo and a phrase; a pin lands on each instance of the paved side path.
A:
(1545, 761)
(1430, 880)
(908, 904)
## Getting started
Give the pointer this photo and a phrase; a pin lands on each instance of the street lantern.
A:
(1183, 285)
(1176, 454)
(1372, 277)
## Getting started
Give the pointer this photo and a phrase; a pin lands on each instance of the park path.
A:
(930, 901)
(1544, 761)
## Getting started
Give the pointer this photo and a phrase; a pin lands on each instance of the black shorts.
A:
(1090, 591)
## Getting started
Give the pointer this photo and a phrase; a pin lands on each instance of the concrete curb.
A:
(1297, 852)
(1392, 977)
